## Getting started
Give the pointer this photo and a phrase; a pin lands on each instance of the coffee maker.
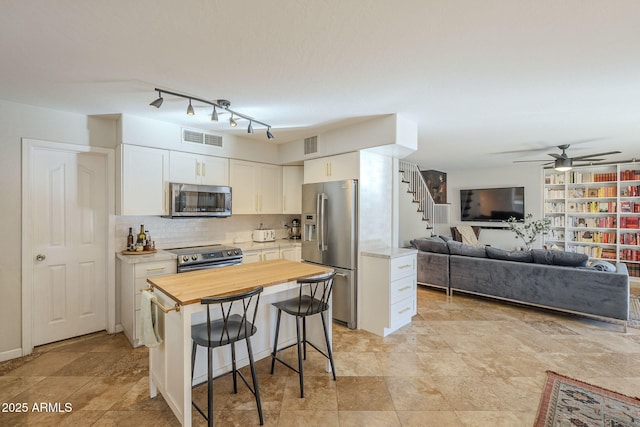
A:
(294, 230)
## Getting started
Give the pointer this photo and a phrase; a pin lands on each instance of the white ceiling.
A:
(478, 77)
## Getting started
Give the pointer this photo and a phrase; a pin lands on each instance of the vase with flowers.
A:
(529, 229)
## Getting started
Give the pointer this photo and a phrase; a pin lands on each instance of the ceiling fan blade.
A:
(596, 155)
(533, 161)
(556, 156)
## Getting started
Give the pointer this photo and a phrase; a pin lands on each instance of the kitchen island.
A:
(170, 362)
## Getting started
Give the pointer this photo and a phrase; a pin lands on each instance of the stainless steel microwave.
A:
(192, 200)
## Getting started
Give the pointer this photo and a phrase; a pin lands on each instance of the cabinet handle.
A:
(404, 288)
(204, 169)
(197, 168)
(404, 310)
(155, 268)
(405, 266)
(284, 203)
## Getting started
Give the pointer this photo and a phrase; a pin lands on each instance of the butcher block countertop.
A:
(191, 287)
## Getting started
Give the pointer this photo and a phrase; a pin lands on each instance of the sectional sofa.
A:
(551, 279)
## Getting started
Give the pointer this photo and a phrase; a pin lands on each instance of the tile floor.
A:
(462, 362)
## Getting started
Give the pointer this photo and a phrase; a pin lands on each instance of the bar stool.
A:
(227, 330)
(313, 298)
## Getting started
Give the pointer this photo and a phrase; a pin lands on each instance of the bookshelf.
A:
(595, 210)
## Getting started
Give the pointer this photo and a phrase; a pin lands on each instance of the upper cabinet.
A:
(292, 177)
(332, 168)
(188, 168)
(256, 187)
(143, 178)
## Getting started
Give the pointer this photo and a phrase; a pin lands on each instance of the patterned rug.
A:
(634, 311)
(572, 403)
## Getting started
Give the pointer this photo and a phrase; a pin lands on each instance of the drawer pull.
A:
(406, 266)
(155, 268)
(404, 288)
(404, 310)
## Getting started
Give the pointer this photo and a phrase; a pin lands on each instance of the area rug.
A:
(634, 311)
(572, 403)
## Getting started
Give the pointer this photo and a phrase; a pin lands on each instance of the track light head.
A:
(250, 128)
(232, 122)
(269, 134)
(190, 109)
(214, 115)
(158, 102)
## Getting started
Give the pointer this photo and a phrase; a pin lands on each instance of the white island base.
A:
(170, 362)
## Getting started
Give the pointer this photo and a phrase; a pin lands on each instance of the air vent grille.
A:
(198, 137)
(311, 145)
(214, 140)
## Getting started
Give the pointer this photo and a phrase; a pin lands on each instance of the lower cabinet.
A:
(257, 255)
(133, 278)
(388, 289)
(293, 253)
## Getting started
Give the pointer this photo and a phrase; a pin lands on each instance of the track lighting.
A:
(223, 104)
(158, 102)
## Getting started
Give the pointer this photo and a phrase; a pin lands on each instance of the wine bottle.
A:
(130, 239)
(141, 236)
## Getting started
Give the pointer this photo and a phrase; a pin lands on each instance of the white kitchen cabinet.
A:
(256, 187)
(292, 178)
(388, 297)
(189, 168)
(293, 253)
(257, 255)
(143, 177)
(332, 168)
(133, 278)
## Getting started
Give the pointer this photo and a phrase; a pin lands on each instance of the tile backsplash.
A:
(175, 232)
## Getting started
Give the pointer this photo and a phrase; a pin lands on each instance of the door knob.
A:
(40, 257)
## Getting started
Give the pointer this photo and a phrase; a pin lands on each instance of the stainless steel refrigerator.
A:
(330, 237)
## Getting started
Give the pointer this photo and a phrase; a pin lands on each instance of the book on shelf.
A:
(630, 175)
(630, 191)
(629, 222)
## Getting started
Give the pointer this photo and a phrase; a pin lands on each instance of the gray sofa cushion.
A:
(518, 256)
(457, 248)
(567, 259)
(445, 238)
(431, 244)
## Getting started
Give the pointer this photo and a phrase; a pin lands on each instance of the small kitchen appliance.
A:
(264, 235)
(294, 230)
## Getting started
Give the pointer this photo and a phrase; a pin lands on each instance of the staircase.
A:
(435, 216)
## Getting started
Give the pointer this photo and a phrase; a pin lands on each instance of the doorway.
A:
(67, 258)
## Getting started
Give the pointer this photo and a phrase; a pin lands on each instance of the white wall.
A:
(528, 176)
(19, 121)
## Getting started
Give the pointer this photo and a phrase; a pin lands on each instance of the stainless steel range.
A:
(205, 257)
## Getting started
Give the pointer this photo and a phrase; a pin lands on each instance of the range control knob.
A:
(185, 258)
(236, 252)
(229, 253)
(194, 257)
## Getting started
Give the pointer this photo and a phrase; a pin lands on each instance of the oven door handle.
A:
(206, 266)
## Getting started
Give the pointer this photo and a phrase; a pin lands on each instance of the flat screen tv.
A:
(492, 204)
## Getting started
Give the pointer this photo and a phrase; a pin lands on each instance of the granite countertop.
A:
(389, 253)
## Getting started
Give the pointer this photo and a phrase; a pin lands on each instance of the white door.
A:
(69, 200)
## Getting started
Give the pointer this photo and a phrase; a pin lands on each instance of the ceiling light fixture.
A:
(158, 102)
(223, 104)
(563, 164)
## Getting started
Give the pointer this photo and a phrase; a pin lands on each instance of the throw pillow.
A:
(566, 259)
(445, 238)
(431, 244)
(603, 266)
(458, 248)
(501, 254)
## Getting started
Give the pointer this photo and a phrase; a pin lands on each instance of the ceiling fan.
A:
(563, 162)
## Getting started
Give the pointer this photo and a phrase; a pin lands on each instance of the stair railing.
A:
(418, 187)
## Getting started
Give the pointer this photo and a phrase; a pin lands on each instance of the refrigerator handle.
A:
(322, 224)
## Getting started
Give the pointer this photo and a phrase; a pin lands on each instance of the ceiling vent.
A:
(311, 145)
(198, 137)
